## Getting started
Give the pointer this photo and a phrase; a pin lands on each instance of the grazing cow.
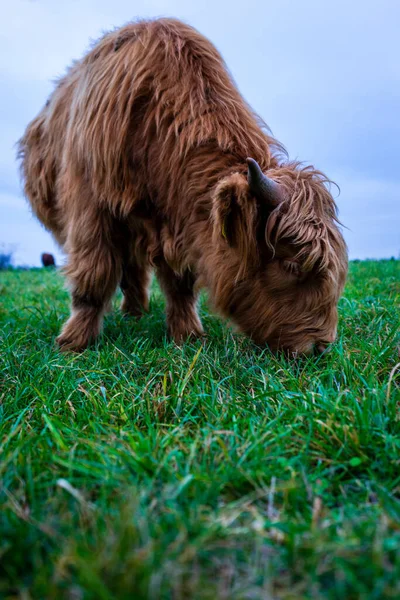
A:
(147, 157)
(48, 260)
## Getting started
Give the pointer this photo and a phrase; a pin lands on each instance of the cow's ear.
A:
(234, 214)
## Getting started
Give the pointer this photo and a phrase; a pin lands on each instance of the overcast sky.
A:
(324, 75)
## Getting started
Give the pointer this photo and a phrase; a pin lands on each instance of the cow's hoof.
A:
(78, 332)
(180, 336)
(68, 344)
(132, 310)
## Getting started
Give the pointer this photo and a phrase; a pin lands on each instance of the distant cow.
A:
(140, 160)
(48, 260)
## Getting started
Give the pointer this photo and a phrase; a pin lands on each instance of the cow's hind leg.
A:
(94, 272)
(182, 318)
(134, 285)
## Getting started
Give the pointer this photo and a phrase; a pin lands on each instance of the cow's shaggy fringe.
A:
(138, 160)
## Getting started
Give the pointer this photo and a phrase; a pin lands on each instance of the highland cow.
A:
(146, 157)
(48, 260)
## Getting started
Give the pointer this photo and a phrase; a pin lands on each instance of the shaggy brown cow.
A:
(139, 160)
(48, 260)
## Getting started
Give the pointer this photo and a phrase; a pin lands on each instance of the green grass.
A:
(139, 469)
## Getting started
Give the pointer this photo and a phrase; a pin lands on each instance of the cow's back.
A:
(148, 113)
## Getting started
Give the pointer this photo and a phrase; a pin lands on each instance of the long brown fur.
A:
(138, 162)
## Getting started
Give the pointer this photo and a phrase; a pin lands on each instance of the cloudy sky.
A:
(324, 74)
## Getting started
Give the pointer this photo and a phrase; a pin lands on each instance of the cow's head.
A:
(286, 260)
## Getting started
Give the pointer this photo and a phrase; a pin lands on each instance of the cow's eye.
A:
(292, 267)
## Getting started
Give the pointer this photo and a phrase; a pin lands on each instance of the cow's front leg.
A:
(182, 318)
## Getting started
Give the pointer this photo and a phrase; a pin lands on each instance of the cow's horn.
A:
(261, 186)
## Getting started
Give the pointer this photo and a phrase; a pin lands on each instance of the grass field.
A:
(139, 469)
